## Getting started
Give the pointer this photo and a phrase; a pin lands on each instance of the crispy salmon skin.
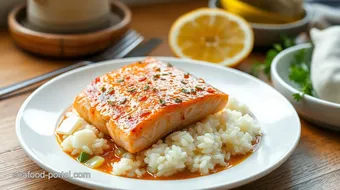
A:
(142, 102)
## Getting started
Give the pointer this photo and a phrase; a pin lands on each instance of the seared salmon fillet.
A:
(142, 102)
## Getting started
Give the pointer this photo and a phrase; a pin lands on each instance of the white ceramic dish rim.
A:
(289, 87)
(90, 184)
(291, 25)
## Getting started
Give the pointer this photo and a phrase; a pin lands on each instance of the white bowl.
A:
(315, 110)
(268, 34)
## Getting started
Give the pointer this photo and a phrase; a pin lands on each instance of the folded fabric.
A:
(325, 67)
(323, 16)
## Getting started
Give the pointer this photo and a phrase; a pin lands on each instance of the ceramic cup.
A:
(68, 16)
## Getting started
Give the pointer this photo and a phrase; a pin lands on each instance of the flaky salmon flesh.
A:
(140, 103)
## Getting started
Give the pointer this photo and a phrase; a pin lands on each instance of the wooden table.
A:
(315, 164)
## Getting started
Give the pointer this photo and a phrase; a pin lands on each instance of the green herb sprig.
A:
(299, 73)
(264, 67)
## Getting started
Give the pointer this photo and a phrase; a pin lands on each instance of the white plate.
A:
(38, 116)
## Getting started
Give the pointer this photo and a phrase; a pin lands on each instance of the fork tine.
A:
(131, 35)
(129, 46)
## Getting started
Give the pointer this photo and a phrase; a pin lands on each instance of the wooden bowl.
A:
(68, 45)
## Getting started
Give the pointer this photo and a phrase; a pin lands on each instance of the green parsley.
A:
(264, 67)
(103, 89)
(299, 73)
(120, 80)
(177, 100)
(162, 102)
(146, 87)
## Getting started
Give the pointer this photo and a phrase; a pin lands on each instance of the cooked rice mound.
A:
(199, 148)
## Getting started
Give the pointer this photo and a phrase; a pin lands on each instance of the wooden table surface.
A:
(315, 164)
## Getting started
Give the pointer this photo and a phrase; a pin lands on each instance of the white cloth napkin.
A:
(325, 67)
(322, 16)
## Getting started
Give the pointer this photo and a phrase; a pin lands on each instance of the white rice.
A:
(198, 148)
(87, 138)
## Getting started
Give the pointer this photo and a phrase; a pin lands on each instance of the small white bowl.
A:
(315, 110)
(268, 34)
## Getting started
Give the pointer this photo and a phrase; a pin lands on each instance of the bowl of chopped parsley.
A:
(290, 75)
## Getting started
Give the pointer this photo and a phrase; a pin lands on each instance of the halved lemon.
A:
(212, 35)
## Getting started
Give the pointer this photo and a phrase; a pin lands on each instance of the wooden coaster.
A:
(68, 45)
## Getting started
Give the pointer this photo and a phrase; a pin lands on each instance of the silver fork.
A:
(124, 46)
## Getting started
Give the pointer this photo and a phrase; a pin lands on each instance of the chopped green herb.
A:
(184, 82)
(299, 73)
(156, 76)
(83, 157)
(120, 80)
(110, 102)
(131, 89)
(162, 102)
(271, 54)
(297, 96)
(103, 89)
(146, 87)
(199, 88)
(165, 74)
(169, 64)
(186, 91)
(177, 100)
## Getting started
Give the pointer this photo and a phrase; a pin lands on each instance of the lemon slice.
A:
(212, 35)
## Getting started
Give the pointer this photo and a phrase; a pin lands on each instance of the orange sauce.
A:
(110, 157)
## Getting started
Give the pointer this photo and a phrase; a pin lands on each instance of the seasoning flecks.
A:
(146, 87)
(123, 100)
(162, 102)
(199, 88)
(186, 91)
(184, 82)
(156, 76)
(177, 100)
(131, 89)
